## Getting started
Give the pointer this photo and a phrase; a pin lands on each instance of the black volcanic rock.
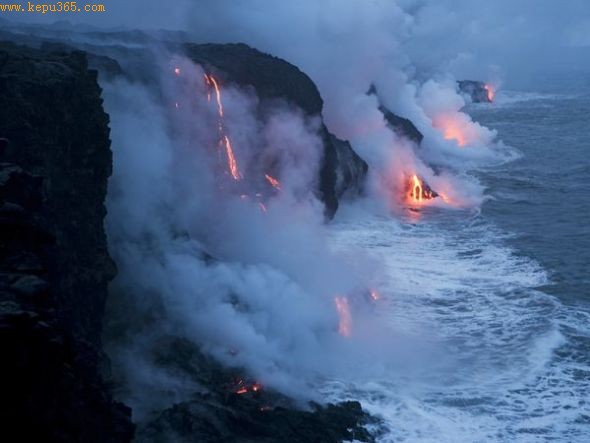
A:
(271, 76)
(54, 264)
(342, 171)
(218, 414)
(54, 267)
(402, 126)
(351, 170)
(476, 90)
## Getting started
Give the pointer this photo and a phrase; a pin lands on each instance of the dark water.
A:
(544, 197)
(505, 292)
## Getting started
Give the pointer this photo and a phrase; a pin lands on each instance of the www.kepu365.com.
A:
(45, 8)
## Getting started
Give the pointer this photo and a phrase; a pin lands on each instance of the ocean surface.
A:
(504, 291)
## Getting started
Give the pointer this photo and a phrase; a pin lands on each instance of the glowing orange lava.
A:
(491, 92)
(212, 82)
(231, 159)
(244, 388)
(418, 192)
(224, 140)
(273, 182)
(345, 319)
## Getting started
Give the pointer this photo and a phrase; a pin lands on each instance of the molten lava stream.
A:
(418, 191)
(273, 182)
(212, 82)
(345, 319)
(232, 164)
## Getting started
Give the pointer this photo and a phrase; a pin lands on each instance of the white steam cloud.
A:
(198, 255)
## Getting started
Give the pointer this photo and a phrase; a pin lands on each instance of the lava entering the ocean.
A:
(417, 191)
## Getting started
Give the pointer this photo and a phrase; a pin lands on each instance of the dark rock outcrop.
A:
(218, 413)
(402, 126)
(342, 171)
(54, 264)
(476, 90)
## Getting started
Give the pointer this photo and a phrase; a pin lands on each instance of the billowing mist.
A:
(212, 219)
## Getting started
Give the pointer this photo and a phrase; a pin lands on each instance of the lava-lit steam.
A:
(273, 182)
(418, 191)
(345, 319)
(491, 92)
(452, 129)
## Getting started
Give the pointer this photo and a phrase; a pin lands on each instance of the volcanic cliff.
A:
(55, 162)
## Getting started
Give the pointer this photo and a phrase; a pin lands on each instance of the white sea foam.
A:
(496, 369)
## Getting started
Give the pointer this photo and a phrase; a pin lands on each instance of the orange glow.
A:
(177, 71)
(416, 189)
(444, 198)
(418, 192)
(345, 319)
(212, 82)
(452, 132)
(224, 140)
(374, 294)
(244, 388)
(491, 92)
(273, 182)
(231, 159)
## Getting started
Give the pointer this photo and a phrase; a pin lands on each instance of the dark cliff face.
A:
(342, 171)
(54, 264)
(402, 126)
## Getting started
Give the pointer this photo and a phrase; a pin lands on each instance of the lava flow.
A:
(231, 159)
(273, 182)
(225, 141)
(345, 319)
(418, 191)
(245, 388)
